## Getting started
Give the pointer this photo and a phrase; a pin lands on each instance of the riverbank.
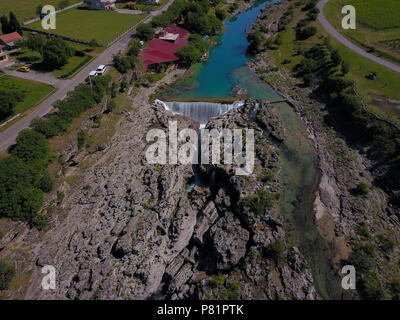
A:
(343, 217)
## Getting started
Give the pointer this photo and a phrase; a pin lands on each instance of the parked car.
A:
(101, 69)
(23, 69)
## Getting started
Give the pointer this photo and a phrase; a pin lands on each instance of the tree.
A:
(63, 4)
(56, 53)
(36, 42)
(122, 64)
(9, 97)
(145, 32)
(307, 32)
(15, 26)
(134, 48)
(33, 148)
(256, 40)
(362, 188)
(336, 58)
(46, 182)
(39, 9)
(6, 274)
(189, 54)
(345, 67)
(220, 14)
(5, 25)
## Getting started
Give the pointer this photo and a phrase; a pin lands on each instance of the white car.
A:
(101, 69)
(93, 74)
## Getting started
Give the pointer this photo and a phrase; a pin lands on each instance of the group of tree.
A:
(21, 196)
(197, 19)
(193, 51)
(145, 32)
(124, 63)
(9, 25)
(23, 174)
(79, 100)
(55, 51)
(196, 16)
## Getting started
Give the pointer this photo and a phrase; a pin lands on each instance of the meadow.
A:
(377, 14)
(26, 9)
(101, 25)
(34, 91)
(380, 95)
(377, 25)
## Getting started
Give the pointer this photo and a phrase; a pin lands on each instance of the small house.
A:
(8, 40)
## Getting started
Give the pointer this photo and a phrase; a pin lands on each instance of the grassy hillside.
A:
(382, 95)
(377, 14)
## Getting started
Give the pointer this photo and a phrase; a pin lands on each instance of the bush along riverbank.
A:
(356, 206)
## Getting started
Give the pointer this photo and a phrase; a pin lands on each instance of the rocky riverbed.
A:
(346, 219)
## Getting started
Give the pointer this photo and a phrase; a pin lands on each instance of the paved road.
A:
(7, 137)
(332, 31)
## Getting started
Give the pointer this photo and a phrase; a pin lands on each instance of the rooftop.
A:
(10, 37)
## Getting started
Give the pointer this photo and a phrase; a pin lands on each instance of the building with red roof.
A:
(8, 39)
(160, 51)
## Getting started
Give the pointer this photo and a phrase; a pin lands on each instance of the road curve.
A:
(7, 137)
(332, 31)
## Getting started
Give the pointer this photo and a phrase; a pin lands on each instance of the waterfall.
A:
(200, 111)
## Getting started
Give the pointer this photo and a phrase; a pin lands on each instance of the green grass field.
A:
(376, 28)
(26, 9)
(85, 24)
(378, 93)
(34, 91)
(377, 14)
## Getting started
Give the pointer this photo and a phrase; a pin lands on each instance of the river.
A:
(299, 163)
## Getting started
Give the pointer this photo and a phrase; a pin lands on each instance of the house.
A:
(3, 55)
(100, 4)
(163, 48)
(8, 40)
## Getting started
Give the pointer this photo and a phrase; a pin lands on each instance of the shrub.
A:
(371, 287)
(145, 32)
(260, 202)
(220, 14)
(275, 251)
(46, 182)
(363, 188)
(7, 272)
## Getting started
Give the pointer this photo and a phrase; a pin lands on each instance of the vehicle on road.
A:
(101, 69)
(23, 69)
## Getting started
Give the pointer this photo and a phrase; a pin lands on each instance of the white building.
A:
(100, 4)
